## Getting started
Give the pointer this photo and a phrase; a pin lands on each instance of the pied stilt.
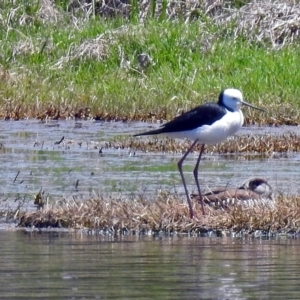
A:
(210, 123)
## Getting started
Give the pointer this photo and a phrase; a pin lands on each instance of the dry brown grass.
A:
(266, 144)
(95, 49)
(166, 214)
(277, 22)
(272, 22)
(48, 12)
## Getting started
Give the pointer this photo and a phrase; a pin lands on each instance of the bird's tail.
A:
(155, 131)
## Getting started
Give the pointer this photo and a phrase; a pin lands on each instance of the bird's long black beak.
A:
(252, 106)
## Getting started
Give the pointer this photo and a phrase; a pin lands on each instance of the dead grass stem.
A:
(266, 144)
(168, 213)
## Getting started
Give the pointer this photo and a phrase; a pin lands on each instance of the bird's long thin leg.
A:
(196, 178)
(179, 164)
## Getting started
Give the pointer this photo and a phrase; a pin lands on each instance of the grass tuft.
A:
(266, 144)
(166, 214)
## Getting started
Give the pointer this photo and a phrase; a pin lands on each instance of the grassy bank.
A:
(59, 63)
(168, 214)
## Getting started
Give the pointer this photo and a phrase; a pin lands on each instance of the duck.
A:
(255, 190)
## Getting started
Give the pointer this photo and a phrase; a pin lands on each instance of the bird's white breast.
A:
(215, 133)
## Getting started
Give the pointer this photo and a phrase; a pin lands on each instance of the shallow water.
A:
(69, 265)
(31, 160)
(73, 266)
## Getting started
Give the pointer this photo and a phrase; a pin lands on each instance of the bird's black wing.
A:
(205, 114)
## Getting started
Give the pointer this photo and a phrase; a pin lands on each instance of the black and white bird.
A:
(210, 123)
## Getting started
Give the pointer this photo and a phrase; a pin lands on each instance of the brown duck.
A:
(254, 190)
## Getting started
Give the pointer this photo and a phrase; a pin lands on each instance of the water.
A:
(74, 266)
(68, 265)
(31, 160)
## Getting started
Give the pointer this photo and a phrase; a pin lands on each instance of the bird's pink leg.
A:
(179, 164)
(196, 178)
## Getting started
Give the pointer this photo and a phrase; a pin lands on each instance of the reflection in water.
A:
(65, 266)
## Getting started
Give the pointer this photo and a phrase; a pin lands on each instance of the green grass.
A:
(192, 61)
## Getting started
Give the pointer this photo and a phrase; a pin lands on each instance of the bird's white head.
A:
(232, 99)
